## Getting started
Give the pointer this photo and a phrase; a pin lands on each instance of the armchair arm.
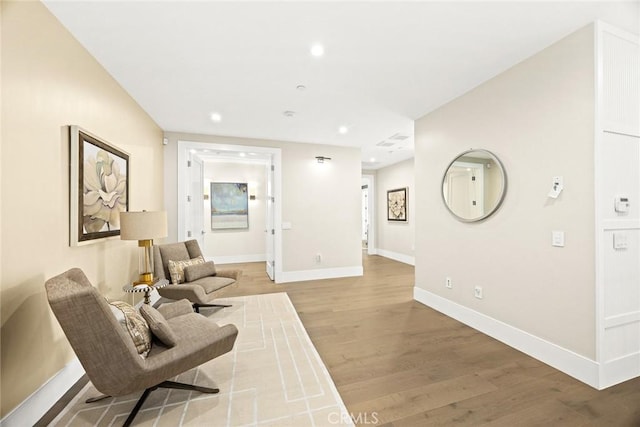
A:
(231, 274)
(174, 309)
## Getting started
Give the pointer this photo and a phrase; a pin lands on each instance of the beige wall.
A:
(394, 236)
(538, 118)
(237, 243)
(48, 82)
(321, 201)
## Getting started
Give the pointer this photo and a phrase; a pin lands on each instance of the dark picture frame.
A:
(397, 204)
(229, 205)
(98, 187)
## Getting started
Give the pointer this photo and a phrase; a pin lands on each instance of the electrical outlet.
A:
(449, 283)
(477, 292)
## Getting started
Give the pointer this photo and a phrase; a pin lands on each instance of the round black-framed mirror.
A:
(474, 185)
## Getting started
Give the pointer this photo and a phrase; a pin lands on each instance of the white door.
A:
(195, 203)
(270, 223)
(465, 190)
(365, 216)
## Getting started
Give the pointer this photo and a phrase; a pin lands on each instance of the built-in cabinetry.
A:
(617, 177)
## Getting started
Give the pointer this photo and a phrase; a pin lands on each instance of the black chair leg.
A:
(196, 307)
(192, 387)
(165, 384)
(133, 413)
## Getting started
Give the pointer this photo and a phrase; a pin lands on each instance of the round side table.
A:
(146, 288)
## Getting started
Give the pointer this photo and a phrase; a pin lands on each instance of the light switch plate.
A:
(620, 240)
(557, 238)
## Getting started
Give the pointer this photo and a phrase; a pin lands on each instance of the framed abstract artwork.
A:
(397, 204)
(98, 187)
(229, 206)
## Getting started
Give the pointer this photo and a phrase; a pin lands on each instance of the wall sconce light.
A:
(321, 159)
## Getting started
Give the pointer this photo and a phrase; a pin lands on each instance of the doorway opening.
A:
(256, 170)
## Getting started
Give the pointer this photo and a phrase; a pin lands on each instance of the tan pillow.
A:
(176, 268)
(159, 326)
(198, 271)
(134, 324)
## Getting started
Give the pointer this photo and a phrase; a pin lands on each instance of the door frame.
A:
(184, 154)
(371, 210)
(197, 201)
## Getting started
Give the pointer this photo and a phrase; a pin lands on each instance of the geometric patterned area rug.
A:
(273, 377)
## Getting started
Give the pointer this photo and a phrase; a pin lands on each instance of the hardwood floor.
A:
(397, 362)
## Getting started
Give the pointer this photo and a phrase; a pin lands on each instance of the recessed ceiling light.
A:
(243, 154)
(289, 113)
(343, 129)
(317, 50)
(215, 117)
(373, 159)
(301, 87)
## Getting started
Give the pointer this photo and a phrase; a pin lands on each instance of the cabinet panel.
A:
(620, 166)
(621, 341)
(620, 85)
(621, 273)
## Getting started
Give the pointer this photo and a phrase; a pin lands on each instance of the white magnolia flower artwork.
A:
(99, 186)
(105, 192)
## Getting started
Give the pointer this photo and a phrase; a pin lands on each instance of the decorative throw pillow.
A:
(176, 268)
(198, 271)
(159, 326)
(134, 324)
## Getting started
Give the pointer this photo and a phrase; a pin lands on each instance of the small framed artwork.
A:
(229, 205)
(397, 204)
(98, 187)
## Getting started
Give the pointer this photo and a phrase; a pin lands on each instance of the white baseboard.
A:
(35, 406)
(407, 259)
(573, 364)
(324, 273)
(236, 259)
(619, 370)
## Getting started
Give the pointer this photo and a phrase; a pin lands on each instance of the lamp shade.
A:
(143, 225)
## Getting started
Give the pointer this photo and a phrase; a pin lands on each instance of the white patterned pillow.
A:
(134, 324)
(176, 268)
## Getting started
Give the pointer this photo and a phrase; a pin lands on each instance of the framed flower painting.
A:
(397, 205)
(99, 187)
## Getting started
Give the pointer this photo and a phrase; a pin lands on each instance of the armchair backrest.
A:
(181, 251)
(105, 350)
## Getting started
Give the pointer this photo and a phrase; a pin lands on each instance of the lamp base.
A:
(146, 279)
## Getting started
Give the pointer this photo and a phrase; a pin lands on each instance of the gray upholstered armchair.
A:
(200, 283)
(110, 356)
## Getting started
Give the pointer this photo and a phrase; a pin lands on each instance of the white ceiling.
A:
(386, 63)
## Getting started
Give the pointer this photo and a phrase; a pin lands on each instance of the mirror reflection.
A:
(473, 185)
